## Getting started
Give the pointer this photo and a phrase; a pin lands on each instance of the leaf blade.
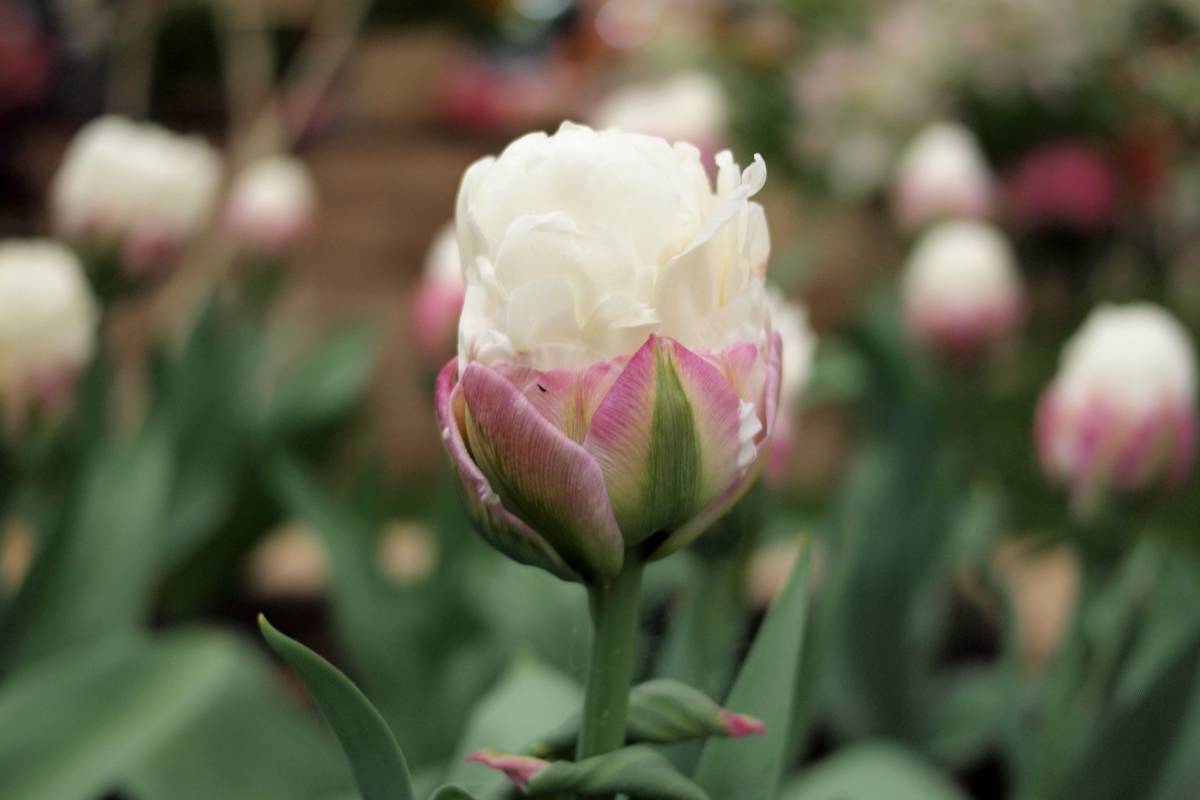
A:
(766, 687)
(378, 765)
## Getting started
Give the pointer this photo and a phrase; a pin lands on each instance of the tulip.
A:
(1120, 415)
(942, 174)
(617, 371)
(47, 325)
(438, 299)
(136, 187)
(961, 288)
(272, 205)
(688, 106)
(799, 344)
(1066, 186)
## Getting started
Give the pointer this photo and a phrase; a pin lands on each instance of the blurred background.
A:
(1006, 599)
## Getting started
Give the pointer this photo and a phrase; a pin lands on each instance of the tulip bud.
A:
(135, 187)
(799, 343)
(688, 106)
(617, 373)
(942, 174)
(272, 205)
(1121, 412)
(1066, 186)
(438, 299)
(47, 325)
(961, 289)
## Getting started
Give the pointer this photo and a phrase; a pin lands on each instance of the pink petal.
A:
(567, 398)
(666, 437)
(741, 481)
(495, 523)
(543, 477)
(740, 725)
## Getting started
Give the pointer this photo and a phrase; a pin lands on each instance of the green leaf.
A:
(380, 624)
(79, 724)
(325, 383)
(638, 772)
(254, 742)
(1126, 755)
(970, 710)
(871, 771)
(766, 687)
(96, 575)
(661, 711)
(375, 758)
(527, 701)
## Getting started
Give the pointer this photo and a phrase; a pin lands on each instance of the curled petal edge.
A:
(495, 523)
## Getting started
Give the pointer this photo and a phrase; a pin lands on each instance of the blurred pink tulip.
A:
(1069, 185)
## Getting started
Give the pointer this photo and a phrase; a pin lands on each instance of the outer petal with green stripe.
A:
(567, 470)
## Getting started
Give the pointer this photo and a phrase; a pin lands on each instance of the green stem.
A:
(610, 674)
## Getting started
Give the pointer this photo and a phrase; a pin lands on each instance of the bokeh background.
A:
(251, 443)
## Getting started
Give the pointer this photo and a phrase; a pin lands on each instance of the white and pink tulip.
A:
(799, 345)
(437, 300)
(48, 324)
(942, 175)
(961, 289)
(618, 373)
(1120, 414)
(136, 187)
(272, 205)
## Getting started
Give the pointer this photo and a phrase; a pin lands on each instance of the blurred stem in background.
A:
(132, 65)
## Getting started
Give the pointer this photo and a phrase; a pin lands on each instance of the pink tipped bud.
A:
(519, 769)
(1121, 412)
(961, 289)
(739, 725)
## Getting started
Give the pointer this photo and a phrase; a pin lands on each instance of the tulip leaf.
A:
(95, 573)
(766, 687)
(661, 711)
(325, 383)
(378, 765)
(292, 757)
(1126, 755)
(638, 772)
(870, 771)
(119, 714)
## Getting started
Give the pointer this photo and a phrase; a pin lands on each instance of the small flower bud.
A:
(1066, 186)
(961, 289)
(942, 175)
(135, 187)
(272, 205)
(1120, 414)
(47, 325)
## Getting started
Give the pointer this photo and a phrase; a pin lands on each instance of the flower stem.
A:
(610, 674)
